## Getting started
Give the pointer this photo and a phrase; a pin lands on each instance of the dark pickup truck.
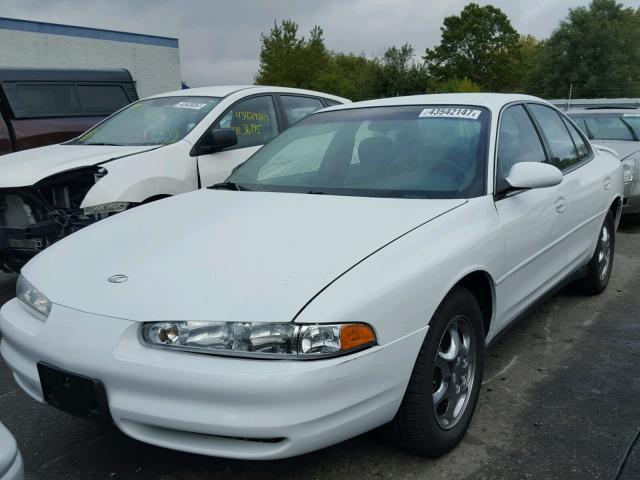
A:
(41, 107)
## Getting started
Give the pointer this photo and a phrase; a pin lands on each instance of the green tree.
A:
(529, 53)
(595, 52)
(456, 85)
(397, 73)
(348, 75)
(480, 44)
(289, 61)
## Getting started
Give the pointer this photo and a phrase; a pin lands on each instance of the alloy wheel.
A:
(604, 252)
(454, 372)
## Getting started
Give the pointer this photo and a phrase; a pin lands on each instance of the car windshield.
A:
(609, 126)
(156, 121)
(408, 151)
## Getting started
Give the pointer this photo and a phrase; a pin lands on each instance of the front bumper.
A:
(212, 405)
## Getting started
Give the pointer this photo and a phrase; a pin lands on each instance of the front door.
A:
(532, 221)
(255, 123)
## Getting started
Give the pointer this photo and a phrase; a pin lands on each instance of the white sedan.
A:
(347, 276)
(160, 146)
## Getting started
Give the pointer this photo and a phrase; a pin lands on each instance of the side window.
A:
(581, 125)
(518, 140)
(296, 108)
(48, 99)
(563, 151)
(254, 121)
(581, 145)
(331, 103)
(104, 99)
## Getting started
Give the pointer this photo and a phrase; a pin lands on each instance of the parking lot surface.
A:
(560, 399)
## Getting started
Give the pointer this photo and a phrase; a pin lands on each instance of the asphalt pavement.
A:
(560, 400)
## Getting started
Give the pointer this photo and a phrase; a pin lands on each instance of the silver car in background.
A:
(618, 129)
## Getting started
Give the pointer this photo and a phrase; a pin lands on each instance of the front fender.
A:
(106, 191)
(398, 289)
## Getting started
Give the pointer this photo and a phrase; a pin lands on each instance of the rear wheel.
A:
(600, 265)
(444, 386)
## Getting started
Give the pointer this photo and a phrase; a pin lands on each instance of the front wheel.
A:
(444, 386)
(600, 266)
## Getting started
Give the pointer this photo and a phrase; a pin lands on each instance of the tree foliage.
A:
(479, 44)
(397, 73)
(456, 85)
(289, 61)
(596, 50)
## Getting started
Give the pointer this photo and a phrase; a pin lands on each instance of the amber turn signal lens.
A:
(355, 335)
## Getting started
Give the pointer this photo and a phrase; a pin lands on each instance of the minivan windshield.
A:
(609, 126)
(155, 121)
(407, 151)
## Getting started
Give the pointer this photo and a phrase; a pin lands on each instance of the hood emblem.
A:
(120, 278)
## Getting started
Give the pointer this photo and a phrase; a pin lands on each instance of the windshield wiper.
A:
(103, 144)
(229, 186)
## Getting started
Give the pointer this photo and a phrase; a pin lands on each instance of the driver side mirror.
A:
(217, 140)
(527, 175)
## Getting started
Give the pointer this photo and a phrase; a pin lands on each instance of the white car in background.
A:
(347, 276)
(619, 130)
(11, 467)
(154, 148)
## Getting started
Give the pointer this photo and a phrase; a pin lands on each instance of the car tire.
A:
(599, 267)
(421, 425)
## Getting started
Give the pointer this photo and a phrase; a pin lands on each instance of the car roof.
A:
(226, 90)
(65, 75)
(492, 101)
(587, 111)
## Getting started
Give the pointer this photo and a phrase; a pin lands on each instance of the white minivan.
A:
(154, 148)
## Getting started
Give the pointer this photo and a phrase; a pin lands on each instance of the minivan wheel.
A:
(443, 390)
(600, 266)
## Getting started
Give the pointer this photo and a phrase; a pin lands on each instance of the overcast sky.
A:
(220, 40)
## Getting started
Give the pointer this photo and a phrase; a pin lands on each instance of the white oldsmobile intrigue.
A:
(347, 276)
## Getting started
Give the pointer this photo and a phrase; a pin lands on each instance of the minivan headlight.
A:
(628, 171)
(34, 299)
(112, 207)
(265, 340)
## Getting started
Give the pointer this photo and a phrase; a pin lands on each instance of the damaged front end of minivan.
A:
(34, 217)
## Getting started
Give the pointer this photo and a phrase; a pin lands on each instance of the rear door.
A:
(585, 187)
(255, 122)
(532, 221)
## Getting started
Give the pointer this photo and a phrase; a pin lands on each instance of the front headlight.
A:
(35, 301)
(266, 340)
(628, 171)
(113, 207)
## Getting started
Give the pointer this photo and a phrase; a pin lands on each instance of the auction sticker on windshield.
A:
(469, 113)
(190, 105)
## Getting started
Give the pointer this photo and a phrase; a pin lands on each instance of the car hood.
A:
(222, 255)
(624, 149)
(28, 167)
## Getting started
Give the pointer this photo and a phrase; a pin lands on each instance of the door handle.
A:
(561, 204)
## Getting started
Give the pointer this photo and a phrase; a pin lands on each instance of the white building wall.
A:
(155, 69)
